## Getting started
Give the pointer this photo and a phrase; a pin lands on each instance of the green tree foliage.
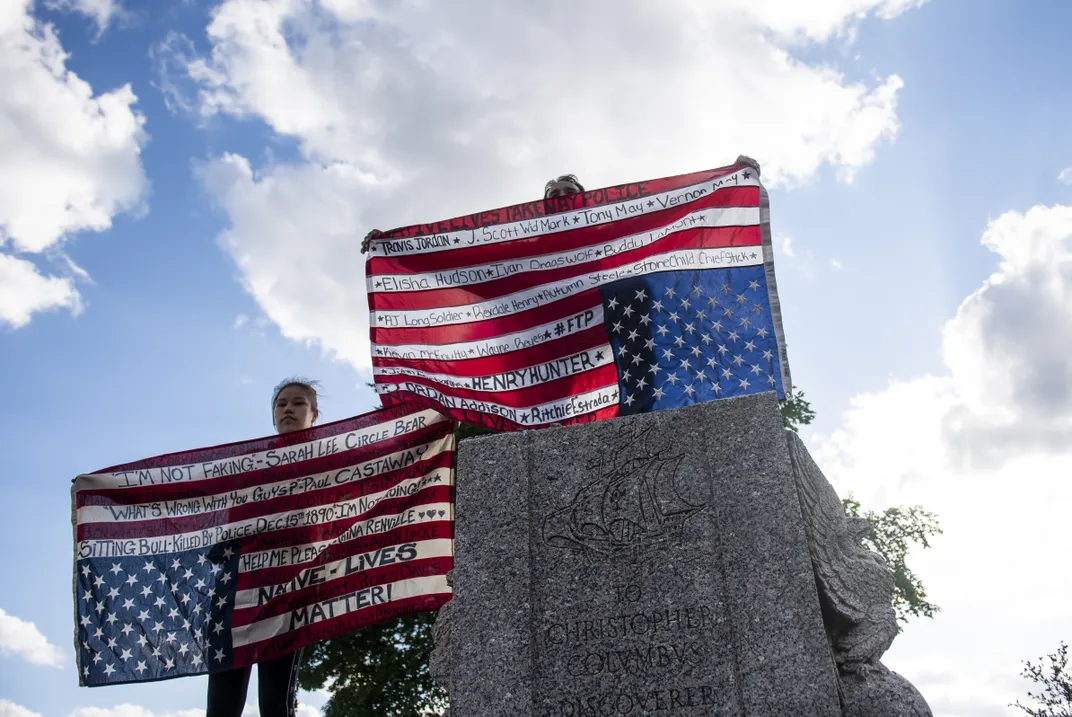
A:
(470, 430)
(796, 410)
(381, 671)
(1051, 674)
(892, 533)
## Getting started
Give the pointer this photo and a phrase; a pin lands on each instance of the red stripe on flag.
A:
(489, 328)
(496, 422)
(302, 499)
(264, 476)
(299, 496)
(172, 526)
(290, 641)
(511, 361)
(530, 396)
(554, 242)
(331, 532)
(411, 533)
(360, 580)
(706, 237)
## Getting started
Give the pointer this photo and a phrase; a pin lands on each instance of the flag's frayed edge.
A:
(772, 289)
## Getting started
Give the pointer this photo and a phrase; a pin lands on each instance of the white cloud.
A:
(987, 444)
(240, 321)
(10, 709)
(1065, 177)
(304, 710)
(1008, 389)
(1008, 347)
(292, 237)
(818, 21)
(786, 245)
(402, 115)
(102, 12)
(129, 710)
(22, 638)
(25, 291)
(171, 58)
(800, 260)
(69, 159)
(367, 93)
(952, 693)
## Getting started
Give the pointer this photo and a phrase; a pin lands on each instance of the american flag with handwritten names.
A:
(222, 557)
(634, 298)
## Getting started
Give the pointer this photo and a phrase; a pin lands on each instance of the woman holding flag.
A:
(294, 408)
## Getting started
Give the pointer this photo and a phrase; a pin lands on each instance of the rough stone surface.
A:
(655, 564)
(875, 691)
(439, 662)
(855, 590)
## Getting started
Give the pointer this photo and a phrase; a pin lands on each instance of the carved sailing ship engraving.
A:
(633, 503)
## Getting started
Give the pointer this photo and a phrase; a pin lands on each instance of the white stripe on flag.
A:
(308, 552)
(477, 274)
(550, 412)
(289, 520)
(337, 607)
(680, 260)
(345, 567)
(518, 341)
(172, 509)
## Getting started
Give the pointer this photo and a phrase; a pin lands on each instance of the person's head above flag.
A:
(294, 404)
(562, 186)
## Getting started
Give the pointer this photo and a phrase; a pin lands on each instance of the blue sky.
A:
(894, 136)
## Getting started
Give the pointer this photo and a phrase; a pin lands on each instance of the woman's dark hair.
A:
(307, 385)
(572, 178)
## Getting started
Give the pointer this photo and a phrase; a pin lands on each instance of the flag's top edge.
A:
(544, 207)
(382, 414)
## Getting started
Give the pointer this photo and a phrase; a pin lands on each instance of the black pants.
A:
(277, 688)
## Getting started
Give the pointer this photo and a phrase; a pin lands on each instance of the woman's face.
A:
(293, 410)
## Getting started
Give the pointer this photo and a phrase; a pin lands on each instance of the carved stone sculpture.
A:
(855, 591)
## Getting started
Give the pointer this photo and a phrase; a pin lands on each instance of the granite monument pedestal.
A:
(657, 564)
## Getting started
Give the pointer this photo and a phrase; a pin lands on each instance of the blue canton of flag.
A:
(683, 337)
(153, 618)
